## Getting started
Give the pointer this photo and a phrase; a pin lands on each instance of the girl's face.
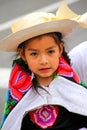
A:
(42, 56)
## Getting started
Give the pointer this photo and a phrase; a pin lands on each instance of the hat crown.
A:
(41, 17)
(32, 20)
(63, 12)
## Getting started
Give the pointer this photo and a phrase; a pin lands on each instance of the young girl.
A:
(44, 91)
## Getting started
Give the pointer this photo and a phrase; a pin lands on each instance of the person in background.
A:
(44, 92)
(79, 60)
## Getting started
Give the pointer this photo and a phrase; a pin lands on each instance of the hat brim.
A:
(11, 42)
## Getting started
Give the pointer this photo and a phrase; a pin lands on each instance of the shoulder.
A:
(78, 54)
(80, 49)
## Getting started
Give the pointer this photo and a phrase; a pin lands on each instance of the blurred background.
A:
(11, 10)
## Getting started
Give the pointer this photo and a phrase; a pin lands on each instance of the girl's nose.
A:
(43, 59)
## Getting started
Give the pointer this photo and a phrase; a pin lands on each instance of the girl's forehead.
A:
(41, 37)
(52, 35)
(42, 40)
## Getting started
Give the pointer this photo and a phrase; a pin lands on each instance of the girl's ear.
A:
(61, 48)
(21, 54)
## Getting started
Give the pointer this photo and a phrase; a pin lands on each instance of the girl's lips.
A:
(45, 69)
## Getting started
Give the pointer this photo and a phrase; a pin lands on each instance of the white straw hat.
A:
(39, 23)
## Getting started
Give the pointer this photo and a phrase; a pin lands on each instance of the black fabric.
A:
(65, 121)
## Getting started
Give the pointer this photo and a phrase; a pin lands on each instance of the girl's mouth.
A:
(45, 69)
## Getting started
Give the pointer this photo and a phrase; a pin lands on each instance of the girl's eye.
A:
(51, 51)
(33, 54)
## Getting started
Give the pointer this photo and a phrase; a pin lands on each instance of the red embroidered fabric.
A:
(20, 82)
(64, 69)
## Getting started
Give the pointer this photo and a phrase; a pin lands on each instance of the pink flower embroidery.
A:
(19, 82)
(45, 116)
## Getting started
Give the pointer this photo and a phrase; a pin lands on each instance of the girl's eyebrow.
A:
(33, 49)
(51, 47)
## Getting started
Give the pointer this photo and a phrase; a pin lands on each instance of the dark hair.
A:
(58, 39)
